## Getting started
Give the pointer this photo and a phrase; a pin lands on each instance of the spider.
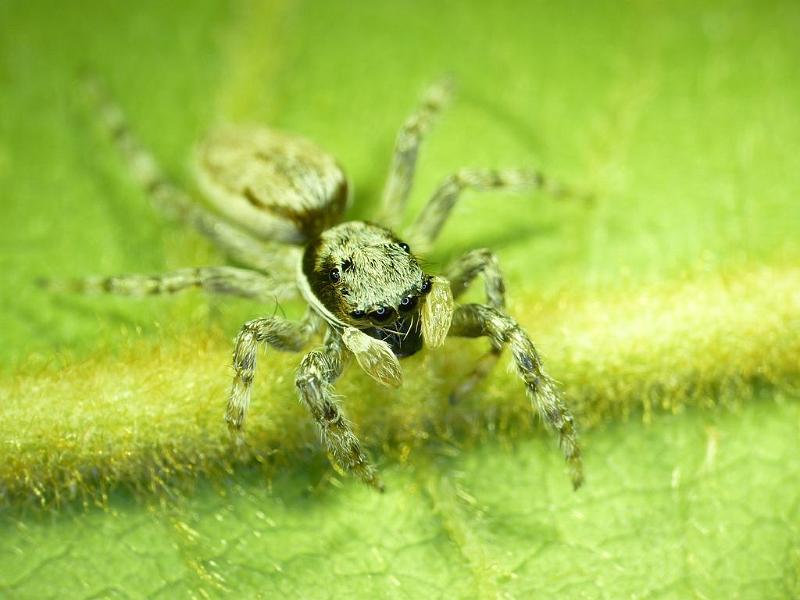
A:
(279, 203)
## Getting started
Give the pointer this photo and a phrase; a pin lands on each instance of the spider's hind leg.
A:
(171, 200)
(404, 160)
(477, 320)
(213, 280)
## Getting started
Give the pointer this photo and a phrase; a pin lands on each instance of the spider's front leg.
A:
(318, 371)
(461, 273)
(482, 261)
(477, 320)
(275, 331)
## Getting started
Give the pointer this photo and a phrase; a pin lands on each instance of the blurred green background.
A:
(680, 117)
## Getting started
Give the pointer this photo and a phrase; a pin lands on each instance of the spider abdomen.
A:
(280, 186)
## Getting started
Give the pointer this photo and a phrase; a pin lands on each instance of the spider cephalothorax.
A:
(362, 273)
(363, 284)
(365, 277)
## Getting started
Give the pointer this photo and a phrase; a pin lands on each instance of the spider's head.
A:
(369, 279)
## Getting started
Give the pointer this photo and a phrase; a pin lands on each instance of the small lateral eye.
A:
(426, 286)
(405, 246)
(334, 275)
(381, 313)
(408, 303)
(358, 314)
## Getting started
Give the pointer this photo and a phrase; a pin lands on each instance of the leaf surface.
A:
(666, 307)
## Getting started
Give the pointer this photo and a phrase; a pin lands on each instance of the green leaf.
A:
(702, 505)
(668, 307)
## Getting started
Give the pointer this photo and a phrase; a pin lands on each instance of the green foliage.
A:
(703, 506)
(673, 297)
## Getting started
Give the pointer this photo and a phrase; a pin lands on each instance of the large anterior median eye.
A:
(334, 275)
(358, 314)
(380, 314)
(408, 303)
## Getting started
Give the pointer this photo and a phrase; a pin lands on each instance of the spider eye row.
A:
(382, 313)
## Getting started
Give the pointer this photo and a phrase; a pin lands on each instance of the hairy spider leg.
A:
(477, 320)
(430, 221)
(318, 371)
(274, 331)
(174, 202)
(229, 281)
(461, 273)
(481, 261)
(406, 149)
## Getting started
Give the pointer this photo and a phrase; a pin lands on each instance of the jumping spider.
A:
(280, 201)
